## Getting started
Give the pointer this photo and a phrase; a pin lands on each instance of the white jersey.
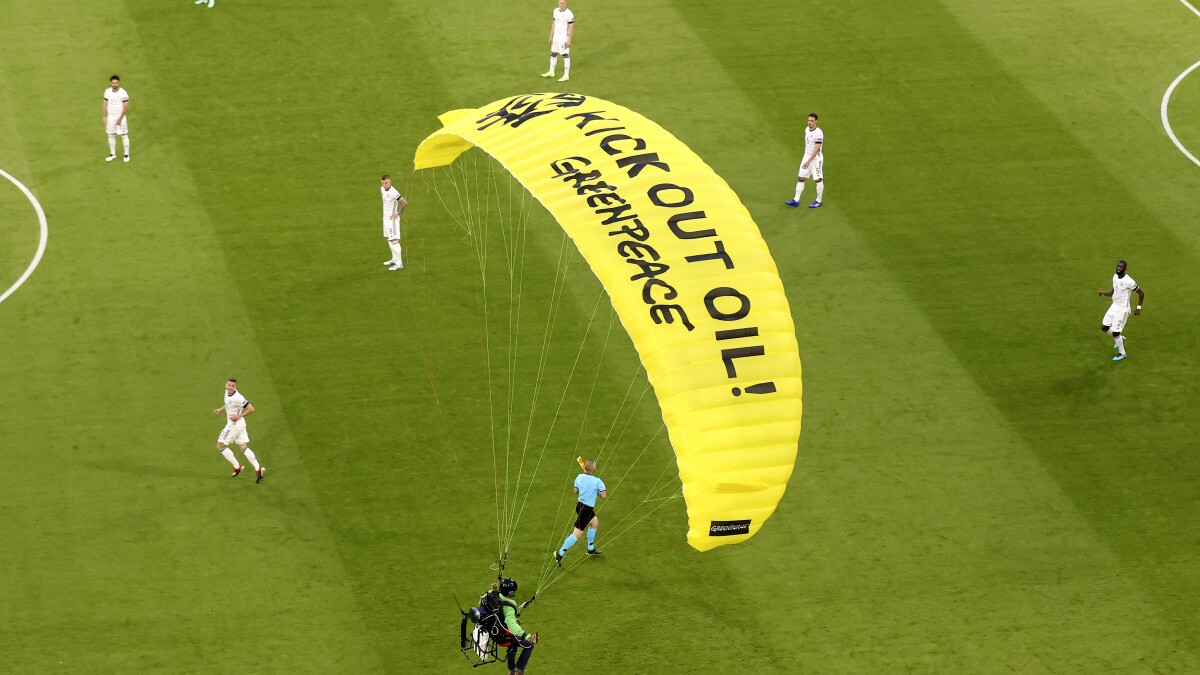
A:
(1122, 288)
(391, 201)
(563, 18)
(235, 403)
(811, 138)
(116, 101)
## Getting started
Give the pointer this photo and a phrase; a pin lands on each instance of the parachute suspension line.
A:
(510, 236)
(556, 294)
(635, 461)
(515, 323)
(476, 205)
(558, 410)
(587, 406)
(474, 223)
(476, 227)
(507, 230)
(557, 290)
(565, 389)
(513, 237)
(481, 204)
(549, 580)
(548, 568)
(620, 408)
(464, 199)
(426, 355)
(442, 200)
(617, 535)
(628, 420)
(655, 488)
(579, 439)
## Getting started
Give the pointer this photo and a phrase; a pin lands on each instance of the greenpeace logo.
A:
(727, 528)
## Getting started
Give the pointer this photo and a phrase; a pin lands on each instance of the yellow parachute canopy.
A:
(688, 274)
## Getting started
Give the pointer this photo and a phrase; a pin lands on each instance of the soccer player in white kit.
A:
(236, 408)
(1118, 313)
(813, 164)
(116, 106)
(393, 205)
(562, 31)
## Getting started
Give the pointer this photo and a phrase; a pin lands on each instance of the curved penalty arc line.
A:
(43, 237)
(1166, 122)
(1166, 101)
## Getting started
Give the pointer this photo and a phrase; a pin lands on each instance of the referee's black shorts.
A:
(586, 513)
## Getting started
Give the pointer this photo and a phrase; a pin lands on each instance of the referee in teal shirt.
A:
(588, 487)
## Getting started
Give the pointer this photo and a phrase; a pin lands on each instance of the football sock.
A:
(799, 189)
(1120, 344)
(566, 65)
(396, 252)
(820, 190)
(553, 62)
(570, 541)
(112, 145)
(591, 535)
(251, 458)
(125, 140)
(228, 454)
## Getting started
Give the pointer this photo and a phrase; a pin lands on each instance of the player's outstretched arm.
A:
(1105, 294)
(220, 410)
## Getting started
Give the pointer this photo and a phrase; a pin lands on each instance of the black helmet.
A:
(508, 587)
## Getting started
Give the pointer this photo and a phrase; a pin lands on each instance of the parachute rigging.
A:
(689, 276)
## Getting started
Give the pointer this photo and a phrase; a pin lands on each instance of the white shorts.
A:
(1115, 318)
(816, 168)
(117, 129)
(234, 432)
(391, 229)
(560, 47)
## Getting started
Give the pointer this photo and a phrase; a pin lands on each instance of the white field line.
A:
(45, 234)
(1166, 122)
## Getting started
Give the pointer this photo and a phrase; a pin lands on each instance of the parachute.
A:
(688, 274)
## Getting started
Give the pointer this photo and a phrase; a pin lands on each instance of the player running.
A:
(236, 408)
(1118, 313)
(813, 164)
(588, 487)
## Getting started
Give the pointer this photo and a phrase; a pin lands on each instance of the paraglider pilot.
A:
(509, 612)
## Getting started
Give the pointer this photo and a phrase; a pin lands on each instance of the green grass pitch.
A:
(978, 489)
